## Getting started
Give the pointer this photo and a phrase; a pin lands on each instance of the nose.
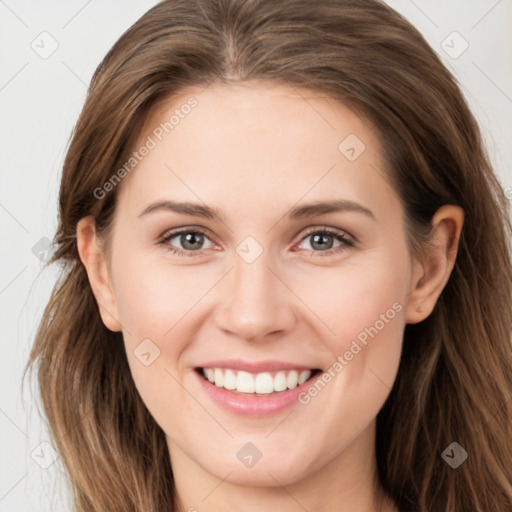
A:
(255, 303)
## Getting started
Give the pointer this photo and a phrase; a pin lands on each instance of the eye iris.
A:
(321, 240)
(191, 241)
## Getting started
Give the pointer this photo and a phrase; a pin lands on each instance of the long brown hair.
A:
(454, 382)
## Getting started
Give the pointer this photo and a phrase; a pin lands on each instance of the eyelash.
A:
(324, 230)
(346, 240)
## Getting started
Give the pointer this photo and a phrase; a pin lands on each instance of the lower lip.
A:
(251, 404)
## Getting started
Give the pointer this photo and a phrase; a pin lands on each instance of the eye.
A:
(186, 240)
(322, 241)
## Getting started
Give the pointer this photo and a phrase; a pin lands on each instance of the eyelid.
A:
(347, 239)
(173, 233)
(330, 230)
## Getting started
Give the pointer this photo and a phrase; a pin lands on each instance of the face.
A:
(284, 280)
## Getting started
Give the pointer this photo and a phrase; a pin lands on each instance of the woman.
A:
(197, 354)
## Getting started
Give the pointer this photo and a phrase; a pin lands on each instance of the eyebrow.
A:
(187, 208)
(299, 212)
(323, 207)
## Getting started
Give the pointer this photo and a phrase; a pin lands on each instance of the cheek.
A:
(357, 296)
(362, 309)
(368, 306)
(156, 304)
(154, 298)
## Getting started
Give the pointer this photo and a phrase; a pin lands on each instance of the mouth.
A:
(262, 384)
(255, 388)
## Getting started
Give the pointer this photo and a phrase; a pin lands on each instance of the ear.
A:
(94, 261)
(431, 274)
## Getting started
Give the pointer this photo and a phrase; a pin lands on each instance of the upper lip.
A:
(255, 366)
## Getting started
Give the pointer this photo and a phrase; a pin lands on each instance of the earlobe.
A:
(430, 276)
(93, 259)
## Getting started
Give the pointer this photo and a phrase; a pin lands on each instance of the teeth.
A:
(245, 382)
(292, 380)
(261, 383)
(264, 383)
(219, 377)
(304, 376)
(230, 379)
(280, 382)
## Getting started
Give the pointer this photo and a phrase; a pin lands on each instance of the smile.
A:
(254, 389)
(263, 383)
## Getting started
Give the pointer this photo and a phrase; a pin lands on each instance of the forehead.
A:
(256, 143)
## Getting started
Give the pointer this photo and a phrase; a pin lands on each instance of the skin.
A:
(254, 151)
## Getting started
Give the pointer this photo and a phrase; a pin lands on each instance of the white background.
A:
(40, 100)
